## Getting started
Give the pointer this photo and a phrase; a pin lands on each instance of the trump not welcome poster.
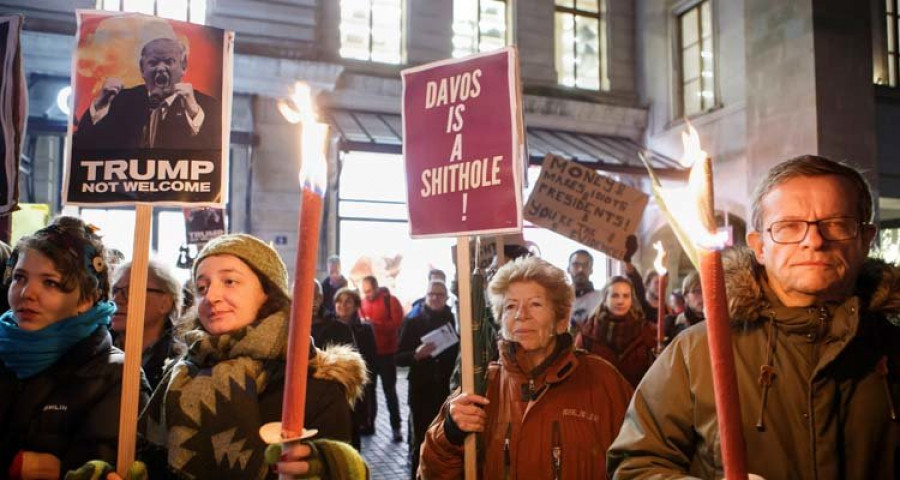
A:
(151, 112)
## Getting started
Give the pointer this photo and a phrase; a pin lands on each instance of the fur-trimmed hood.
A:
(878, 287)
(343, 364)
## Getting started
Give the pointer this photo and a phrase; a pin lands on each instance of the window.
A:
(581, 50)
(117, 229)
(185, 10)
(478, 26)
(696, 54)
(373, 229)
(372, 30)
(893, 52)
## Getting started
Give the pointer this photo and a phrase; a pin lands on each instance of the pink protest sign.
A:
(462, 144)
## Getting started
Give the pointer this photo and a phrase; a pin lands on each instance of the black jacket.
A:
(429, 376)
(329, 331)
(70, 410)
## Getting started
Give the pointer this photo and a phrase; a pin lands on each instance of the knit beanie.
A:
(254, 252)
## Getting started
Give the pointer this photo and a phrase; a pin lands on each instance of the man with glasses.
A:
(161, 311)
(816, 343)
(429, 370)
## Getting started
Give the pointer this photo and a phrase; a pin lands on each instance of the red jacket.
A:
(385, 314)
(575, 413)
(632, 359)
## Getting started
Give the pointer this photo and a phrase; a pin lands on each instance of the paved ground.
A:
(388, 460)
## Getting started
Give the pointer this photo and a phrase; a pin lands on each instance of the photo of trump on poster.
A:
(151, 116)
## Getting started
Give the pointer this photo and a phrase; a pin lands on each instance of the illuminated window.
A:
(478, 26)
(581, 49)
(891, 30)
(185, 10)
(372, 30)
(696, 53)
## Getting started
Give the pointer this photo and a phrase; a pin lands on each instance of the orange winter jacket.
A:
(556, 424)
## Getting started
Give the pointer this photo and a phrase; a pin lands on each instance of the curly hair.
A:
(533, 269)
(75, 251)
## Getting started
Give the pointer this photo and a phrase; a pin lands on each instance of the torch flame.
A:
(659, 263)
(693, 206)
(693, 154)
(299, 108)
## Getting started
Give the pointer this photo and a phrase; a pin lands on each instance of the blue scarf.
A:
(28, 353)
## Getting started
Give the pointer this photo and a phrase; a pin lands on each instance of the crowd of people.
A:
(581, 385)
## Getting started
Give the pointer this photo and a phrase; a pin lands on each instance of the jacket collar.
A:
(878, 287)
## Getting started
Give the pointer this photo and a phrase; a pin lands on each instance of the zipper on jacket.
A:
(556, 452)
(506, 460)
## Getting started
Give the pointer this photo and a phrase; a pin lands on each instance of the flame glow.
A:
(685, 203)
(299, 108)
(659, 263)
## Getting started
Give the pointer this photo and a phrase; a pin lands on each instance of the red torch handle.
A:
(661, 313)
(294, 404)
(728, 409)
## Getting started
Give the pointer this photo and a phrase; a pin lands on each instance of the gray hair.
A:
(165, 275)
(811, 166)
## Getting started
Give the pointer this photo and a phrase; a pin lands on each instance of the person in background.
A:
(346, 307)
(203, 420)
(384, 312)
(60, 375)
(333, 282)
(815, 339)
(618, 331)
(693, 311)
(435, 274)
(575, 402)
(161, 312)
(429, 371)
(581, 267)
(326, 330)
(676, 302)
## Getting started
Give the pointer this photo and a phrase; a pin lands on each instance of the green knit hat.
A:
(254, 252)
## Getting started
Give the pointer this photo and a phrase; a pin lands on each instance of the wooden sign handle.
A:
(464, 284)
(134, 339)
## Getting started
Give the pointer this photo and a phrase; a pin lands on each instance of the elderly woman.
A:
(60, 376)
(575, 402)
(161, 311)
(618, 332)
(206, 412)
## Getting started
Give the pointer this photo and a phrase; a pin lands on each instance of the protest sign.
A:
(582, 204)
(463, 145)
(13, 109)
(151, 113)
(203, 224)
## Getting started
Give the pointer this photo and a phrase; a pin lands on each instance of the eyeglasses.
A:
(123, 291)
(834, 229)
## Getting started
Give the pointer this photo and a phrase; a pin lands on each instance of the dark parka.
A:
(822, 408)
(572, 409)
(335, 380)
(70, 410)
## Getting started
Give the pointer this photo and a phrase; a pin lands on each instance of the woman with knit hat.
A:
(60, 376)
(203, 420)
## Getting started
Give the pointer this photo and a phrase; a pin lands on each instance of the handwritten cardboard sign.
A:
(462, 145)
(582, 204)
